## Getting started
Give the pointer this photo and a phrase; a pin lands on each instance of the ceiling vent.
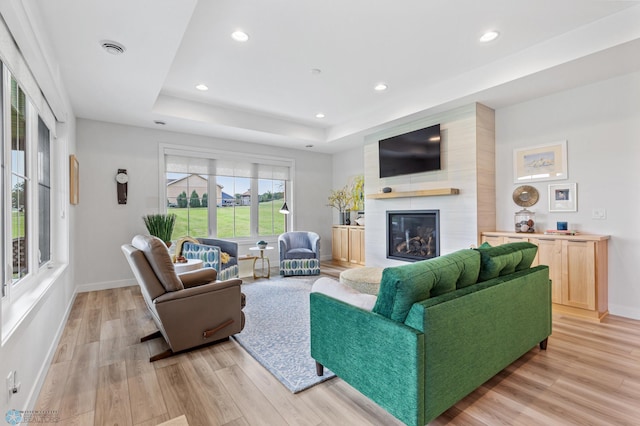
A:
(112, 47)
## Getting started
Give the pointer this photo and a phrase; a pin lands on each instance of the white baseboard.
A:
(624, 311)
(105, 285)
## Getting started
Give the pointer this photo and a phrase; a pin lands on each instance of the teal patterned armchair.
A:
(210, 251)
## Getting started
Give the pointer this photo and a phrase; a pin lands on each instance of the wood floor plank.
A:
(110, 305)
(79, 395)
(79, 306)
(50, 397)
(154, 421)
(181, 397)
(125, 299)
(294, 410)
(220, 403)
(144, 392)
(112, 399)
(254, 406)
(91, 326)
(589, 375)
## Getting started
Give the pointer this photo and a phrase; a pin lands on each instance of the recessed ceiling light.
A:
(380, 87)
(320, 115)
(489, 36)
(202, 87)
(240, 36)
(113, 47)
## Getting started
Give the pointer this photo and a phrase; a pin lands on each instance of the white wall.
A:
(601, 124)
(346, 165)
(103, 225)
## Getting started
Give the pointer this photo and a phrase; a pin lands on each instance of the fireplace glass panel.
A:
(413, 235)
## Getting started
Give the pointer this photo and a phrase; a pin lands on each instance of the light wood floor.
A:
(100, 374)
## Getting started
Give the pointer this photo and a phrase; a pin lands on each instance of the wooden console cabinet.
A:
(347, 245)
(577, 269)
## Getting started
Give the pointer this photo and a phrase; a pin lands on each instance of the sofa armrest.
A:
(380, 357)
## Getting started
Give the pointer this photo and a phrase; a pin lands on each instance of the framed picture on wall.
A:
(541, 162)
(74, 180)
(563, 197)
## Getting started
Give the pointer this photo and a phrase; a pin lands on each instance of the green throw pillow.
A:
(402, 286)
(505, 259)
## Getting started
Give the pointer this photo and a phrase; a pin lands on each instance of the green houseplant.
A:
(160, 225)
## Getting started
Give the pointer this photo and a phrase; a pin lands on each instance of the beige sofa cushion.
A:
(157, 254)
(344, 293)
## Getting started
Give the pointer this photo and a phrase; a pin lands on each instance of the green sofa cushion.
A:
(402, 286)
(505, 259)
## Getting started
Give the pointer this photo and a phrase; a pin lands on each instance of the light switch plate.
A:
(599, 214)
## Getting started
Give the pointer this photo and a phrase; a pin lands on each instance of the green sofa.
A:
(439, 329)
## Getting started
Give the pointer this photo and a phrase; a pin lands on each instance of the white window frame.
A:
(197, 152)
(14, 291)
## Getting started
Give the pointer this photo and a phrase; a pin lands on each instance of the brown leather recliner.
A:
(190, 309)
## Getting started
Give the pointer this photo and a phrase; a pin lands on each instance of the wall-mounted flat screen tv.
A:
(414, 152)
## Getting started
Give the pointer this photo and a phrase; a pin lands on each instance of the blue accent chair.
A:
(209, 250)
(299, 253)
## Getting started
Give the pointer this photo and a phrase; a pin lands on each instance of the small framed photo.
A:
(541, 162)
(74, 180)
(563, 197)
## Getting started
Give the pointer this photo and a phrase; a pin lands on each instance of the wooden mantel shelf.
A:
(421, 193)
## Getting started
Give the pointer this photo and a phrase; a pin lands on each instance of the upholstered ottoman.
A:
(365, 280)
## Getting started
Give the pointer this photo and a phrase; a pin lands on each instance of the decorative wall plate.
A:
(525, 196)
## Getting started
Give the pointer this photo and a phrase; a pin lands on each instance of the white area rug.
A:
(276, 331)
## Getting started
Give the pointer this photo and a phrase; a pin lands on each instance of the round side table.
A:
(262, 260)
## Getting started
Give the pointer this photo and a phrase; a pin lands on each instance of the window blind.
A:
(227, 165)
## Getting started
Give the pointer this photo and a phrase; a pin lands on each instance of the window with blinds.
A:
(225, 195)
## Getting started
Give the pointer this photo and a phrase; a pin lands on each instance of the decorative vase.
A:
(343, 218)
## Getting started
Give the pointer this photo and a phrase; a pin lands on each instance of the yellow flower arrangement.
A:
(341, 199)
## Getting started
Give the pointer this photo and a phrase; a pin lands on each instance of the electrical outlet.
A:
(10, 380)
(13, 386)
(598, 214)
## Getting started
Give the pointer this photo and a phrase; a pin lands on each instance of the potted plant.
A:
(341, 200)
(160, 225)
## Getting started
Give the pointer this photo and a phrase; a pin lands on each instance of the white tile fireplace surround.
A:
(468, 164)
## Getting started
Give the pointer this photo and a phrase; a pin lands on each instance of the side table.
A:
(262, 261)
(189, 265)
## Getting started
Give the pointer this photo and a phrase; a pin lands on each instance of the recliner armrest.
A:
(195, 291)
(198, 277)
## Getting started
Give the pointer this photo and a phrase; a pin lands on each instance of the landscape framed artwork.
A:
(74, 180)
(563, 197)
(541, 162)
